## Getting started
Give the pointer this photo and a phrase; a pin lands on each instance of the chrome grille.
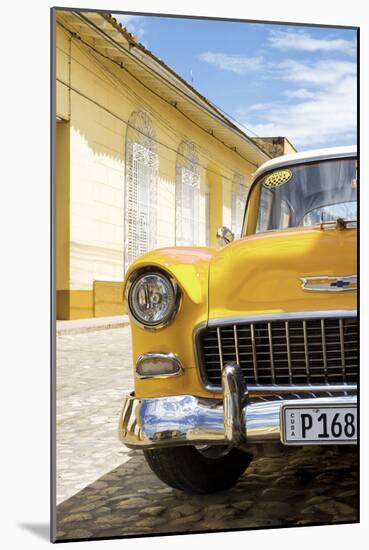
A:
(312, 351)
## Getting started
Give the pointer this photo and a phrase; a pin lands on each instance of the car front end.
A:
(255, 342)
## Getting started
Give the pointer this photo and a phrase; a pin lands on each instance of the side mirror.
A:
(225, 234)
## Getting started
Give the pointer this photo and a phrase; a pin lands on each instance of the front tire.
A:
(198, 471)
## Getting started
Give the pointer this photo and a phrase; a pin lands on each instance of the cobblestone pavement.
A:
(104, 489)
(93, 371)
(298, 487)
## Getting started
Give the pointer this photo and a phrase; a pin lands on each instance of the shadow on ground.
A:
(42, 530)
(295, 487)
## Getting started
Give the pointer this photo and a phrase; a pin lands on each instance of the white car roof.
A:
(306, 156)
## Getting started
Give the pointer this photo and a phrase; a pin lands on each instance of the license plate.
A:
(326, 424)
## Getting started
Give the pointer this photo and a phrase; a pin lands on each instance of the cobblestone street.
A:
(104, 489)
(93, 372)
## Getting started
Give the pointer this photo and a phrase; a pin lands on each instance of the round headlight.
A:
(152, 299)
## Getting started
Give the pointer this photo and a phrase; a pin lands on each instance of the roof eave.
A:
(134, 42)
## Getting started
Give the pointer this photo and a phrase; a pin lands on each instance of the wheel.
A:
(203, 469)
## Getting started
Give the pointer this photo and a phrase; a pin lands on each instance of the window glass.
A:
(306, 194)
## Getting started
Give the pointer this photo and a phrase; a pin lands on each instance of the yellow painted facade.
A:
(95, 100)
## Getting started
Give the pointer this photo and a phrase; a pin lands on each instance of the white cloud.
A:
(133, 23)
(260, 106)
(327, 115)
(300, 93)
(321, 73)
(319, 107)
(302, 40)
(239, 64)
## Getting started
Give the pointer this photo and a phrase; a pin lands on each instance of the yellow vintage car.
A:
(255, 342)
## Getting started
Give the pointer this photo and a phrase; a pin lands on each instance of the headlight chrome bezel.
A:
(134, 278)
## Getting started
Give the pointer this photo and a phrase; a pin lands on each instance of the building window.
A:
(187, 195)
(239, 194)
(140, 187)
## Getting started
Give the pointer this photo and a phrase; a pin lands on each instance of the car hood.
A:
(262, 273)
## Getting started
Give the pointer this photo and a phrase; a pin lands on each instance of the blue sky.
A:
(274, 80)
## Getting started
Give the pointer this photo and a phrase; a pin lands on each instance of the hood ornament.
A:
(330, 284)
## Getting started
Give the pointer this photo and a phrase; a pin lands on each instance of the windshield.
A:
(305, 195)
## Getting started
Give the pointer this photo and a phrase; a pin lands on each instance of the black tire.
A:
(192, 471)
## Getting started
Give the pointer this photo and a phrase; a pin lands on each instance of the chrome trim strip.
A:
(220, 348)
(288, 352)
(174, 358)
(254, 358)
(282, 316)
(188, 420)
(324, 347)
(236, 344)
(271, 352)
(342, 346)
(301, 388)
(306, 349)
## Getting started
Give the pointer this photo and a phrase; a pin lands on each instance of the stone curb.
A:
(90, 325)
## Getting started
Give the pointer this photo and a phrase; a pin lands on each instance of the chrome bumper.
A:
(189, 420)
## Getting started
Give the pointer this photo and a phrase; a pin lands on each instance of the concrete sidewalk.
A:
(79, 326)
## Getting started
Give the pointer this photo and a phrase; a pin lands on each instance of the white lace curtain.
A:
(140, 187)
(187, 195)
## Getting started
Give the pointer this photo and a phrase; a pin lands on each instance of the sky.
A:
(274, 80)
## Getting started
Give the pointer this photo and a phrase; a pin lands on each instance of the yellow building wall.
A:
(98, 98)
(62, 221)
(288, 147)
(215, 183)
(108, 298)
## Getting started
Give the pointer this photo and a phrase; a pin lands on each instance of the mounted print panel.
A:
(206, 179)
